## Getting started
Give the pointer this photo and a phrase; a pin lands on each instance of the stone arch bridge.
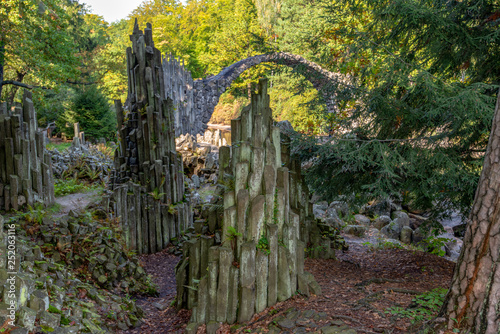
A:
(195, 100)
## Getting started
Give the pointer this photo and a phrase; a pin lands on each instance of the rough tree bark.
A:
(473, 302)
(2, 59)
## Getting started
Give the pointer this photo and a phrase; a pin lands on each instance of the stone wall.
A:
(195, 101)
(25, 166)
(148, 183)
(258, 257)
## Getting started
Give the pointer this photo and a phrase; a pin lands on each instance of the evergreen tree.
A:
(420, 102)
(90, 108)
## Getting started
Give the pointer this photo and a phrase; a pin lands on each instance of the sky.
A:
(112, 10)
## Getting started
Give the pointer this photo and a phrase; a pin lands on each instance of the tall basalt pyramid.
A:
(260, 260)
(148, 183)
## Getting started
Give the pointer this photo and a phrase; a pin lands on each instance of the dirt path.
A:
(357, 289)
(160, 317)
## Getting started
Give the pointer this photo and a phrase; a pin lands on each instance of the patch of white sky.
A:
(113, 10)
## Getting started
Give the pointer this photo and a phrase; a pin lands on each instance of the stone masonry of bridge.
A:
(195, 101)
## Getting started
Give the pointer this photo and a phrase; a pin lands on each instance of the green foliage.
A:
(69, 186)
(232, 234)
(90, 108)
(61, 147)
(35, 214)
(383, 245)
(420, 103)
(37, 43)
(263, 245)
(424, 306)
(293, 98)
(435, 244)
(228, 108)
(53, 309)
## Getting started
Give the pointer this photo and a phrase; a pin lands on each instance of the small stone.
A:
(192, 328)
(161, 306)
(121, 325)
(286, 324)
(19, 331)
(308, 314)
(26, 318)
(293, 314)
(102, 279)
(321, 316)
(51, 320)
(93, 328)
(212, 327)
(274, 330)
(303, 322)
(102, 258)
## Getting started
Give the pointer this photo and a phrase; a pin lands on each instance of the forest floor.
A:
(357, 289)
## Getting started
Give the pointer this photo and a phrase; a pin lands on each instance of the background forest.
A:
(412, 123)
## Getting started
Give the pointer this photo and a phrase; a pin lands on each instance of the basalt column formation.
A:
(25, 167)
(149, 182)
(259, 258)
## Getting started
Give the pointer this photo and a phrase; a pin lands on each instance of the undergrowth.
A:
(71, 186)
(423, 307)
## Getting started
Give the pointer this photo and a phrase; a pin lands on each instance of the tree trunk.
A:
(2, 60)
(473, 301)
(15, 88)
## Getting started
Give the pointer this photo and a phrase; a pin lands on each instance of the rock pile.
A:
(214, 138)
(25, 167)
(85, 161)
(386, 219)
(59, 270)
(200, 160)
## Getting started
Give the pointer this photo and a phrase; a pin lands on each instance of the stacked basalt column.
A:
(320, 239)
(261, 258)
(179, 87)
(25, 167)
(149, 182)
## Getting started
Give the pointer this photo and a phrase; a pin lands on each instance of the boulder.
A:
(406, 233)
(362, 220)
(417, 236)
(340, 207)
(196, 180)
(378, 208)
(402, 217)
(319, 210)
(356, 230)
(392, 230)
(381, 221)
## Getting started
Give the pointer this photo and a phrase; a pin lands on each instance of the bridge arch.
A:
(195, 101)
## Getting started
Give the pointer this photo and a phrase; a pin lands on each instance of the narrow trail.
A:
(160, 316)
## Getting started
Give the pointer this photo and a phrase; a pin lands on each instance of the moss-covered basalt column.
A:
(260, 259)
(148, 182)
(26, 176)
